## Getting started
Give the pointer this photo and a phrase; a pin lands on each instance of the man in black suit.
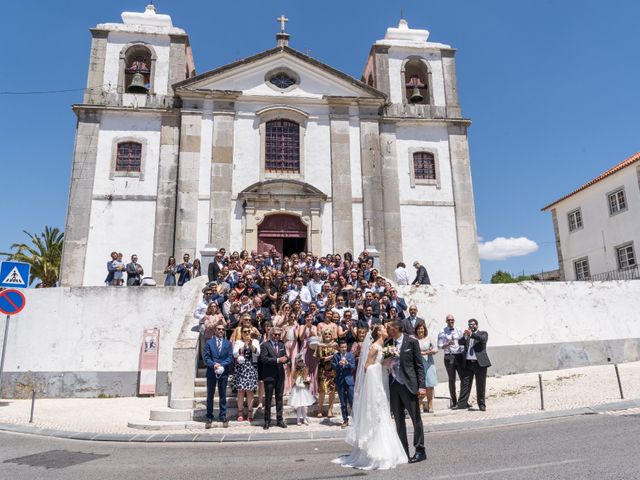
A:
(407, 388)
(367, 319)
(475, 363)
(422, 277)
(215, 268)
(273, 357)
(412, 320)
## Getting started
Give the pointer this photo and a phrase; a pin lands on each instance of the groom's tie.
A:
(395, 371)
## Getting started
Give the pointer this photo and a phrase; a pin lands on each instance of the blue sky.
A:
(551, 88)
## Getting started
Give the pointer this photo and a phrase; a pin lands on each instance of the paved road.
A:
(586, 447)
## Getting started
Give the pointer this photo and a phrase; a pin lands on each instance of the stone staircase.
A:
(187, 401)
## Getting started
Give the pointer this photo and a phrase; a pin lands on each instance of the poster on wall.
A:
(149, 361)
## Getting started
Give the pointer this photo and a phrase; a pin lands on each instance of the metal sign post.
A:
(11, 302)
(4, 349)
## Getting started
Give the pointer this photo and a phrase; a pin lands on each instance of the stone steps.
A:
(195, 409)
(197, 421)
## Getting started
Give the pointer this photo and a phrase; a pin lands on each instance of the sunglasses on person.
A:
(246, 331)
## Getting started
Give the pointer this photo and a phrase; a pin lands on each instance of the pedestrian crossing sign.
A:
(14, 274)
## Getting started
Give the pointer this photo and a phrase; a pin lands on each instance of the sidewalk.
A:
(510, 400)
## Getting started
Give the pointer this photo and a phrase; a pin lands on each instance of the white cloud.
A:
(501, 248)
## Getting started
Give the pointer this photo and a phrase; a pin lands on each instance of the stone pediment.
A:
(281, 189)
(250, 77)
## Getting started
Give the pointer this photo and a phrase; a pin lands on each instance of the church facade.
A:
(278, 150)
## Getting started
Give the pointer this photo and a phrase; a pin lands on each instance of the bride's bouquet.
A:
(390, 352)
(389, 356)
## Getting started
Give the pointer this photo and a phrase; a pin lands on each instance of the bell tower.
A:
(143, 55)
(126, 150)
(424, 149)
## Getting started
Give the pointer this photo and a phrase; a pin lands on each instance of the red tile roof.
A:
(625, 163)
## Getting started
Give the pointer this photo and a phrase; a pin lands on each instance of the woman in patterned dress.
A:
(246, 352)
(326, 373)
(305, 332)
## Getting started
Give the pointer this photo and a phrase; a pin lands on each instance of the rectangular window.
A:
(617, 202)
(582, 269)
(129, 157)
(424, 166)
(626, 256)
(575, 220)
(282, 146)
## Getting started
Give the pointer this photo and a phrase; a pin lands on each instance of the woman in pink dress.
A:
(305, 332)
(290, 339)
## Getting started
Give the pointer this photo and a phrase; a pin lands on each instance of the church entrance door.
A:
(286, 233)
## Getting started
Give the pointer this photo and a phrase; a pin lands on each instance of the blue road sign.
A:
(14, 274)
(11, 301)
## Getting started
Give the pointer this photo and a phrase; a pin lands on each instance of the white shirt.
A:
(447, 334)
(402, 276)
(471, 356)
(303, 293)
(201, 310)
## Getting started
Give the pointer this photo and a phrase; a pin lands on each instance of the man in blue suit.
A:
(344, 364)
(217, 355)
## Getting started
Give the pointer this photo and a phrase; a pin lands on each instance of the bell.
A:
(416, 97)
(137, 84)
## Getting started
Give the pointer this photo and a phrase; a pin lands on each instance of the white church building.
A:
(275, 150)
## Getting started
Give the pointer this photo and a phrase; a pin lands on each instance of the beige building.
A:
(597, 226)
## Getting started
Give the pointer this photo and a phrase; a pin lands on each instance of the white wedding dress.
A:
(372, 432)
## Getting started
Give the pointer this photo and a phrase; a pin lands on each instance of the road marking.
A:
(503, 470)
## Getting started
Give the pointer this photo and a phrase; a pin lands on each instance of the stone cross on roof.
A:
(282, 21)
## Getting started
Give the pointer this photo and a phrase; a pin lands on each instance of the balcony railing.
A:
(629, 273)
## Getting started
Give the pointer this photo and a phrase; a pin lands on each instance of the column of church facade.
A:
(165, 221)
(83, 173)
(341, 195)
(221, 173)
(464, 204)
(373, 216)
(188, 173)
(390, 197)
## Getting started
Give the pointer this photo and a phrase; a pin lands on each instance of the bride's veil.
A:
(359, 402)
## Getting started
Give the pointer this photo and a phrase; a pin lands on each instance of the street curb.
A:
(322, 435)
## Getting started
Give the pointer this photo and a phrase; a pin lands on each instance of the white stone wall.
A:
(95, 329)
(122, 226)
(429, 236)
(126, 223)
(431, 138)
(99, 329)
(601, 232)
(531, 313)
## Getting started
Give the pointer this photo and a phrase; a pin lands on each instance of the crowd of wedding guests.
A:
(305, 316)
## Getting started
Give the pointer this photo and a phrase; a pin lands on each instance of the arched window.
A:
(416, 82)
(137, 70)
(129, 157)
(282, 146)
(424, 166)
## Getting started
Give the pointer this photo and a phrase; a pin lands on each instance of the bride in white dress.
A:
(372, 432)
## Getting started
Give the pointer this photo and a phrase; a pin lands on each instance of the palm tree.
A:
(44, 255)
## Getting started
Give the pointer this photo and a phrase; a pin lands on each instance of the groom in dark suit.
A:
(407, 388)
